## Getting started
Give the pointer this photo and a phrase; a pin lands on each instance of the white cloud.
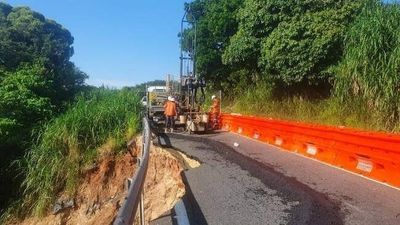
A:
(110, 83)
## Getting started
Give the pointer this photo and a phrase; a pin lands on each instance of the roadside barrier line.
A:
(315, 160)
(370, 154)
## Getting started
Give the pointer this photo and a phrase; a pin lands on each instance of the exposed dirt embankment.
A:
(103, 188)
(164, 185)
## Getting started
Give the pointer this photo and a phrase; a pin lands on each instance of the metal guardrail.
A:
(135, 197)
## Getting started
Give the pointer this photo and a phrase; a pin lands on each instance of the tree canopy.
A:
(36, 74)
(216, 23)
(284, 41)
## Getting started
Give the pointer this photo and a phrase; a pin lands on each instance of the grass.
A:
(75, 140)
(332, 111)
(371, 64)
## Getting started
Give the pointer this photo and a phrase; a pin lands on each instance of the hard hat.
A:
(169, 98)
(212, 97)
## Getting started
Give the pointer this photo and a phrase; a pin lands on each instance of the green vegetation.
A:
(329, 111)
(371, 64)
(52, 126)
(37, 80)
(141, 88)
(325, 61)
(100, 122)
(36, 76)
(331, 62)
(284, 42)
(21, 104)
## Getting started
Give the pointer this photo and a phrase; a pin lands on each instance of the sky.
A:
(118, 43)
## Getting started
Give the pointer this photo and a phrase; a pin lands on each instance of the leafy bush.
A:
(24, 101)
(72, 141)
(291, 41)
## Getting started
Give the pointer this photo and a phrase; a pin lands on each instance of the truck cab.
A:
(154, 100)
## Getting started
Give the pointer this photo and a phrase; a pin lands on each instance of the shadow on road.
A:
(313, 208)
(195, 214)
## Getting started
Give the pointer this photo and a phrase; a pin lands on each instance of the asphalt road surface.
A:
(256, 183)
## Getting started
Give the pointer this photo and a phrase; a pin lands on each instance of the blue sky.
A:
(119, 43)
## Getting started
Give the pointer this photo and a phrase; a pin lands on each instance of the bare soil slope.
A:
(102, 189)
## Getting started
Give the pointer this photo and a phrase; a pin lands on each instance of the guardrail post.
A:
(142, 219)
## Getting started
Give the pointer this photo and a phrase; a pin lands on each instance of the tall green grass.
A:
(258, 100)
(71, 142)
(370, 69)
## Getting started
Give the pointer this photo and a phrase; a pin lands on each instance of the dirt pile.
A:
(103, 188)
(164, 185)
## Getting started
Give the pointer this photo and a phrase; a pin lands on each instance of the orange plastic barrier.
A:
(372, 154)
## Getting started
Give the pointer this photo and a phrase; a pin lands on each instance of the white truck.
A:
(154, 101)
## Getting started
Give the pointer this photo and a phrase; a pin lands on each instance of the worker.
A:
(170, 112)
(215, 111)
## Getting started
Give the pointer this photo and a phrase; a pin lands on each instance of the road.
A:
(256, 183)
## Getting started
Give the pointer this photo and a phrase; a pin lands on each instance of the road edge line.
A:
(181, 215)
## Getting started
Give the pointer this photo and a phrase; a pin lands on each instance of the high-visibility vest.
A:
(215, 107)
(170, 108)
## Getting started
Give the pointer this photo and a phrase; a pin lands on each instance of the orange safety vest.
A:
(215, 108)
(170, 108)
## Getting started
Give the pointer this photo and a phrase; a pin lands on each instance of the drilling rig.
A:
(191, 87)
(188, 90)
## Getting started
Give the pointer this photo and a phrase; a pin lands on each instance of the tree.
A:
(291, 41)
(216, 23)
(37, 79)
(288, 43)
(302, 48)
(257, 19)
(27, 37)
(36, 76)
(24, 101)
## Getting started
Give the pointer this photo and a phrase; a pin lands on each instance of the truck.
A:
(190, 116)
(154, 102)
